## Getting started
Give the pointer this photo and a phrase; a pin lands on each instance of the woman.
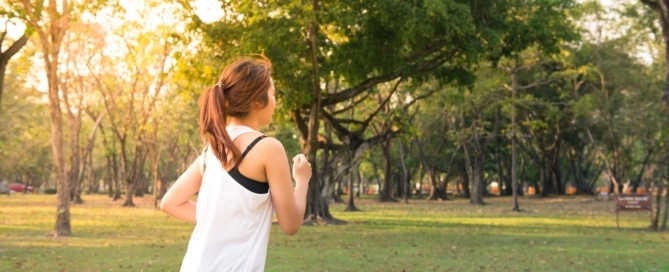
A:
(242, 177)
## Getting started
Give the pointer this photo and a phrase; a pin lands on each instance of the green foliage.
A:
(287, 136)
(357, 40)
(25, 151)
(544, 23)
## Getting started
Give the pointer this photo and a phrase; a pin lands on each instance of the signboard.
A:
(633, 202)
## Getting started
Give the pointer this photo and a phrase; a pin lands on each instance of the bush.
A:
(50, 191)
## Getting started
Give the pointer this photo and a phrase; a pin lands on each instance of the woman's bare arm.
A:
(177, 201)
(289, 203)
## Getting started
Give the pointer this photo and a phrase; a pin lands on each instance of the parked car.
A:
(19, 188)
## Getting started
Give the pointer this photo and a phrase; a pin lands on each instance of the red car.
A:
(19, 188)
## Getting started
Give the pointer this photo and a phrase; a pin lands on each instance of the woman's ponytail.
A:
(213, 124)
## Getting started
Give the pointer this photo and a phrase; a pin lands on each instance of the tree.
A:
(525, 62)
(82, 44)
(478, 135)
(51, 22)
(433, 132)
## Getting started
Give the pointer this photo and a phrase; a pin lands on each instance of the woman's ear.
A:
(258, 105)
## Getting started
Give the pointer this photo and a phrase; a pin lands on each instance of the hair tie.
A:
(221, 85)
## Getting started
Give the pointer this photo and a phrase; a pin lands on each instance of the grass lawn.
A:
(553, 234)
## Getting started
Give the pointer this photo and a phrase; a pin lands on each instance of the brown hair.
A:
(240, 86)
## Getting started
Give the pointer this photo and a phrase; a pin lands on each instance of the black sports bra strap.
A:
(248, 148)
(204, 159)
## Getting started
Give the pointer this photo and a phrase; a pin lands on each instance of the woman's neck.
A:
(241, 123)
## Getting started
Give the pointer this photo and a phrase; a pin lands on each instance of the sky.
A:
(207, 10)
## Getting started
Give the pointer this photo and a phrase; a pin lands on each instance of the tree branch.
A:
(353, 104)
(420, 66)
(301, 124)
(365, 123)
(7, 55)
(652, 4)
(531, 85)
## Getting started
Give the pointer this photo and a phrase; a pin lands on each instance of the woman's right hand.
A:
(301, 169)
(290, 200)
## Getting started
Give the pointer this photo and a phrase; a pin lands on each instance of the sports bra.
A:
(252, 185)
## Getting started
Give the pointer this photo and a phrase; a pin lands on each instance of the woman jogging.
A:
(242, 177)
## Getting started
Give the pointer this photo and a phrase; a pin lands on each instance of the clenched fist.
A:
(301, 169)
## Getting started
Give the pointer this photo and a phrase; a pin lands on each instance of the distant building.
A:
(4, 187)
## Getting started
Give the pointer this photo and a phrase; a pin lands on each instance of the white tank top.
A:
(233, 223)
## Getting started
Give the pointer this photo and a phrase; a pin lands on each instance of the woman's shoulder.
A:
(263, 143)
(270, 144)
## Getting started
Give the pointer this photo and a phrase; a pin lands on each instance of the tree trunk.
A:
(556, 178)
(134, 175)
(436, 192)
(540, 162)
(361, 185)
(159, 184)
(545, 180)
(129, 191)
(419, 189)
(504, 170)
(86, 162)
(386, 193)
(109, 180)
(115, 178)
(666, 207)
(159, 190)
(93, 184)
(6, 56)
(514, 181)
(405, 176)
(477, 185)
(475, 167)
(350, 206)
(470, 174)
(466, 192)
(655, 214)
(635, 183)
(75, 156)
(574, 162)
(122, 167)
(62, 227)
(140, 188)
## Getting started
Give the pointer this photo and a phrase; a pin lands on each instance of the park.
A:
(442, 135)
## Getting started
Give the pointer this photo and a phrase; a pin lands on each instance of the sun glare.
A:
(208, 10)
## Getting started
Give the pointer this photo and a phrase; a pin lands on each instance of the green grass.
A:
(554, 234)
